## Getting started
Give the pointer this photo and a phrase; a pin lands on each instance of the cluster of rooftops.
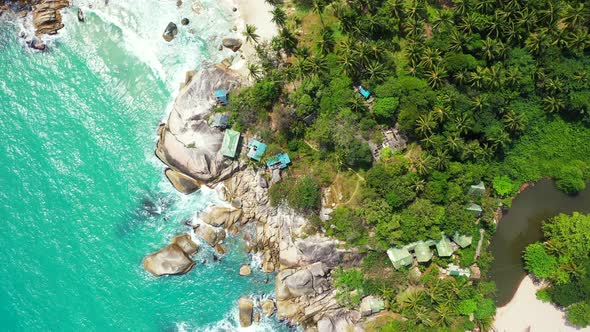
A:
(231, 139)
(402, 256)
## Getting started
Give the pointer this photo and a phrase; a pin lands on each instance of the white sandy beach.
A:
(257, 13)
(524, 311)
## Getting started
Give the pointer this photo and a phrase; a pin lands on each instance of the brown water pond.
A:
(521, 226)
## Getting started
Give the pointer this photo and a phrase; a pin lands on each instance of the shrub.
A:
(304, 195)
(503, 186)
(579, 314)
(385, 108)
(570, 179)
(467, 307)
(544, 295)
(538, 261)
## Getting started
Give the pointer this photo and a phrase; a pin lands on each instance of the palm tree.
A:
(288, 40)
(357, 104)
(318, 66)
(488, 48)
(348, 64)
(456, 41)
(302, 52)
(454, 142)
(578, 40)
(514, 122)
(318, 8)
(250, 33)
(499, 139)
(425, 124)
(376, 71)
(536, 43)
(479, 102)
(441, 160)
(279, 17)
(431, 57)
(419, 186)
(254, 71)
(443, 21)
(273, 2)
(553, 104)
(461, 77)
(436, 76)
(422, 163)
(575, 16)
(325, 43)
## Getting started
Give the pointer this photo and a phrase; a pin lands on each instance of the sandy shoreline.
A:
(257, 13)
(525, 310)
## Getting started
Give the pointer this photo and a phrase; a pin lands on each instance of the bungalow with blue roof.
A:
(364, 92)
(221, 96)
(257, 149)
(279, 161)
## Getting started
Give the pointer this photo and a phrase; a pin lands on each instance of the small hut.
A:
(219, 121)
(475, 209)
(279, 161)
(364, 92)
(229, 146)
(477, 189)
(462, 240)
(221, 96)
(423, 252)
(444, 247)
(257, 149)
(399, 257)
(456, 271)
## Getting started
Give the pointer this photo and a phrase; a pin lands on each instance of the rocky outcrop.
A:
(173, 259)
(187, 144)
(246, 308)
(182, 182)
(268, 307)
(221, 216)
(170, 32)
(311, 279)
(232, 43)
(47, 16)
(212, 235)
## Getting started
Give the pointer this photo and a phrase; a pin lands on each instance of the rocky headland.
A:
(303, 262)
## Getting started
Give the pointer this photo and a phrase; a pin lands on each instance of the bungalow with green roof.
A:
(257, 149)
(229, 146)
(462, 240)
(279, 161)
(444, 247)
(456, 271)
(423, 252)
(475, 209)
(399, 257)
(477, 189)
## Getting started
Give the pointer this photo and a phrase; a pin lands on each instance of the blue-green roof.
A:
(281, 159)
(364, 92)
(257, 149)
(229, 146)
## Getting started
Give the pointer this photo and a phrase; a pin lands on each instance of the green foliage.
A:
(570, 179)
(467, 307)
(543, 294)
(385, 108)
(485, 309)
(349, 284)
(346, 225)
(302, 194)
(539, 262)
(579, 314)
(503, 186)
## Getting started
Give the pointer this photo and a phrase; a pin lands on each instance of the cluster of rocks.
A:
(47, 18)
(250, 311)
(174, 258)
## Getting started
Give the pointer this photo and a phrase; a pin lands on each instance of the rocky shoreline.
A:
(46, 17)
(303, 262)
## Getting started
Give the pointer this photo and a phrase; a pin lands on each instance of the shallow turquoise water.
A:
(83, 199)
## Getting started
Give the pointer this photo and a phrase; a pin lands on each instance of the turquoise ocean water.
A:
(82, 197)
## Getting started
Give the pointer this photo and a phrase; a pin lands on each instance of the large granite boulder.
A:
(183, 183)
(47, 16)
(173, 259)
(233, 44)
(211, 235)
(246, 308)
(268, 307)
(170, 32)
(186, 142)
(222, 216)
(311, 279)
